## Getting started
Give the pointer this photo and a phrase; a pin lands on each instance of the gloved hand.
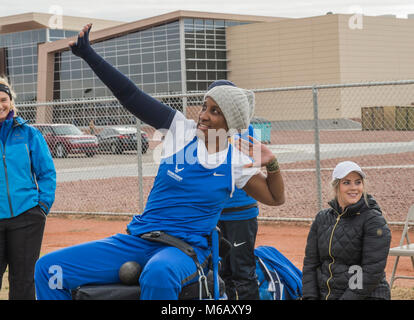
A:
(82, 47)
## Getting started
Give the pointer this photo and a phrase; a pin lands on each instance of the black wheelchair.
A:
(208, 287)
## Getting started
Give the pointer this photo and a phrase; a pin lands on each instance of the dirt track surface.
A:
(289, 238)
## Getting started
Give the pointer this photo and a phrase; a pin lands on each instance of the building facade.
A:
(20, 36)
(184, 51)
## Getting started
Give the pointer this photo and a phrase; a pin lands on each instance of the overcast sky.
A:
(132, 10)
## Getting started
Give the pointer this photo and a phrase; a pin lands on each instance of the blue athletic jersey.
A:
(240, 197)
(187, 198)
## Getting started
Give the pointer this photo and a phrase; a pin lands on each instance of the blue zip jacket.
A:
(27, 171)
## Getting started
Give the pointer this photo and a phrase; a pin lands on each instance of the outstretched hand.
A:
(82, 46)
(257, 151)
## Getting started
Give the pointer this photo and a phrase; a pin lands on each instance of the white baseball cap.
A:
(342, 169)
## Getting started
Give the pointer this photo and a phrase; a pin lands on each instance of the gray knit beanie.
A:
(237, 105)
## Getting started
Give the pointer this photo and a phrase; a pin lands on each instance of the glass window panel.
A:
(76, 64)
(135, 69)
(148, 78)
(56, 33)
(148, 88)
(192, 86)
(160, 56)
(16, 52)
(201, 65)
(201, 54)
(122, 60)
(64, 75)
(19, 61)
(211, 65)
(28, 78)
(190, 64)
(147, 68)
(174, 55)
(137, 79)
(221, 65)
(147, 57)
(27, 60)
(134, 59)
(174, 65)
(76, 74)
(190, 54)
(219, 23)
(202, 86)
(191, 75)
(174, 76)
(161, 67)
(28, 69)
(148, 50)
(27, 51)
(87, 73)
(123, 69)
(175, 86)
(77, 94)
(211, 75)
(162, 87)
(201, 75)
(76, 84)
(161, 77)
(221, 54)
(88, 84)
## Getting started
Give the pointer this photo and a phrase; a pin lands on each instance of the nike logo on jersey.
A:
(178, 170)
(218, 174)
(238, 244)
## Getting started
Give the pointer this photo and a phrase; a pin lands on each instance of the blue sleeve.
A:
(140, 104)
(44, 170)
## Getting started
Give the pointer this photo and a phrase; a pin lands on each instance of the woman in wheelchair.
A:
(200, 167)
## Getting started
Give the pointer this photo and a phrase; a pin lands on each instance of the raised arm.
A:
(140, 104)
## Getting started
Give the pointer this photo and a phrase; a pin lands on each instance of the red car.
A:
(64, 139)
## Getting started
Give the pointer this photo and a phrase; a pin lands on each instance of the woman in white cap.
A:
(348, 243)
(199, 171)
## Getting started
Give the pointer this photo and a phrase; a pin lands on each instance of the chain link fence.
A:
(310, 129)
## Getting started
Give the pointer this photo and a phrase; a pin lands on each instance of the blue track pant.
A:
(165, 269)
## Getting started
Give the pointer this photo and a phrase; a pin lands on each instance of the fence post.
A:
(139, 162)
(317, 146)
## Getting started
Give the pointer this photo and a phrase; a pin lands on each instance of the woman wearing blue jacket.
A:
(28, 183)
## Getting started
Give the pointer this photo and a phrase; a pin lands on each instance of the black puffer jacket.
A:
(342, 247)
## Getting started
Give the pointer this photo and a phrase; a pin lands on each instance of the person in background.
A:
(238, 224)
(92, 128)
(28, 184)
(348, 243)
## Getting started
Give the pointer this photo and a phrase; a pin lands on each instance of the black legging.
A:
(20, 243)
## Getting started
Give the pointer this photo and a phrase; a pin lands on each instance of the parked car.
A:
(118, 139)
(64, 139)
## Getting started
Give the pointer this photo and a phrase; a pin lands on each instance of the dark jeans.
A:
(239, 266)
(20, 242)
